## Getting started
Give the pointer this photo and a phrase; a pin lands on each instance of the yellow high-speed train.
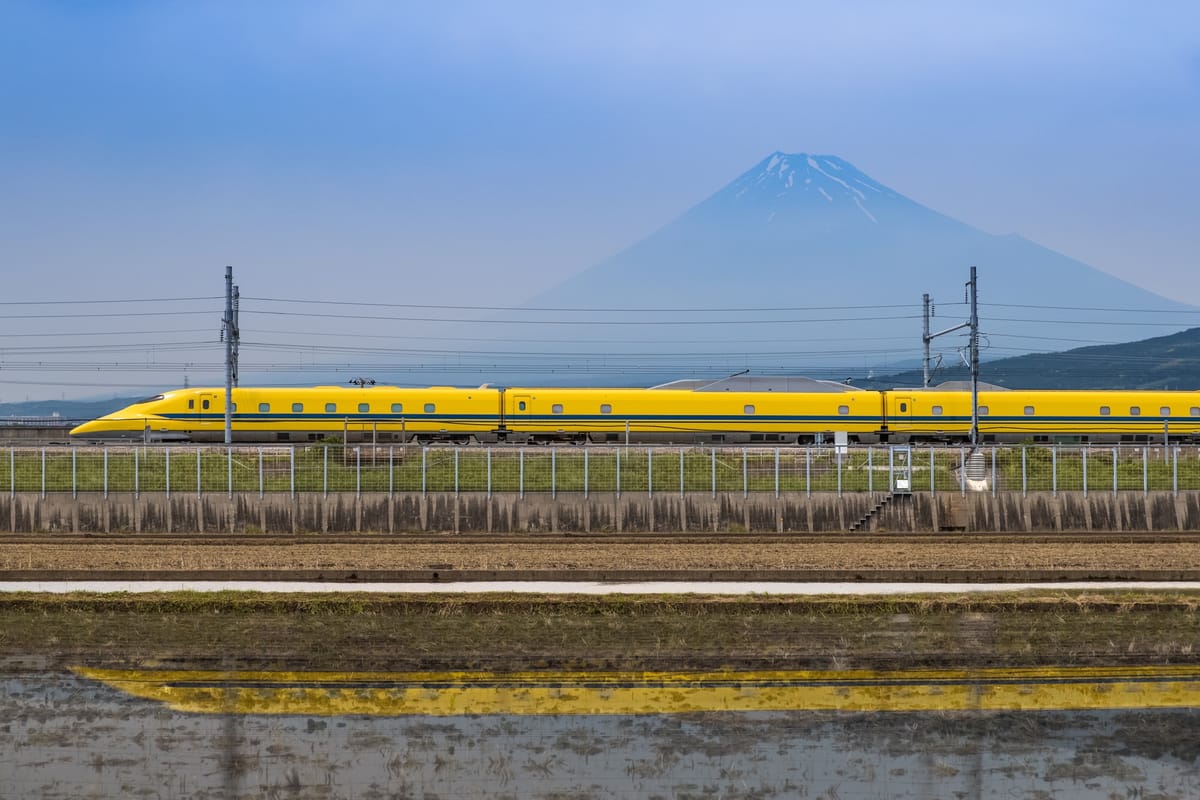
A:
(734, 410)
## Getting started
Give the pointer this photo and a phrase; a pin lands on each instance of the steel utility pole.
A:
(926, 338)
(229, 332)
(973, 349)
(973, 286)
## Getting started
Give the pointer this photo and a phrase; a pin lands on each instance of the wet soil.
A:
(504, 632)
(659, 555)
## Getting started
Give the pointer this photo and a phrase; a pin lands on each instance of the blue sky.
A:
(410, 151)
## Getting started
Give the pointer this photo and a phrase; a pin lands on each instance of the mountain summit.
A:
(813, 232)
(800, 182)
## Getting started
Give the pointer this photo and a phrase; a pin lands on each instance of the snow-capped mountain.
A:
(848, 258)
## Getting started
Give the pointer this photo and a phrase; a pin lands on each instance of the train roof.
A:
(758, 383)
(953, 386)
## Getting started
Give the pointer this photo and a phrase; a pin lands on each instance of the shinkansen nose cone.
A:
(117, 426)
(141, 421)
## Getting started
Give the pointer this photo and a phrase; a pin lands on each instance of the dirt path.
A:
(582, 555)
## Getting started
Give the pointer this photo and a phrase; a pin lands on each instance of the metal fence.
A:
(646, 470)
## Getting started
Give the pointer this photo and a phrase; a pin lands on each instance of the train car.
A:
(1044, 416)
(748, 411)
(376, 413)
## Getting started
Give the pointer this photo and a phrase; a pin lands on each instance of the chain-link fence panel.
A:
(1187, 468)
(673, 470)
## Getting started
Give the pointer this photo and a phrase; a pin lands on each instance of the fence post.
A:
(585, 473)
(870, 471)
(553, 472)
(1083, 453)
(136, 452)
(1145, 471)
(392, 468)
(292, 469)
(1024, 475)
(838, 451)
(260, 472)
(424, 472)
(714, 472)
(44, 472)
(1175, 471)
(649, 472)
(681, 472)
(489, 472)
(962, 471)
(74, 481)
(1114, 454)
(1054, 470)
(229, 471)
(807, 470)
(456, 451)
(521, 472)
(198, 486)
(12, 472)
(777, 472)
(932, 465)
(325, 471)
(358, 470)
(993, 470)
(618, 472)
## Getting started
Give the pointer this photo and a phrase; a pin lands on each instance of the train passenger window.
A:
(330, 408)
(297, 407)
(1135, 411)
(1029, 411)
(1105, 411)
(843, 410)
(204, 404)
(937, 411)
(1196, 411)
(556, 408)
(903, 407)
(1165, 411)
(749, 410)
(264, 407)
(430, 408)
(605, 408)
(191, 403)
(363, 408)
(983, 411)
(233, 408)
(397, 408)
(521, 406)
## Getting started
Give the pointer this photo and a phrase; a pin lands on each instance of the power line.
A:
(95, 302)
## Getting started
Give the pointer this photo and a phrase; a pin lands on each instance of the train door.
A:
(206, 410)
(900, 416)
(520, 412)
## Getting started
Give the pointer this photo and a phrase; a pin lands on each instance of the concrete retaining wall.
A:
(501, 513)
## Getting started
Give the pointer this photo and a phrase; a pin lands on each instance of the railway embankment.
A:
(350, 512)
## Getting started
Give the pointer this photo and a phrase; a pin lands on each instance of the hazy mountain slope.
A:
(1164, 362)
(813, 231)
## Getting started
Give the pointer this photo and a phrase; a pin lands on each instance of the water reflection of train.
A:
(737, 410)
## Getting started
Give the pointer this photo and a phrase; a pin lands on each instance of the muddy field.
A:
(663, 554)
(228, 630)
